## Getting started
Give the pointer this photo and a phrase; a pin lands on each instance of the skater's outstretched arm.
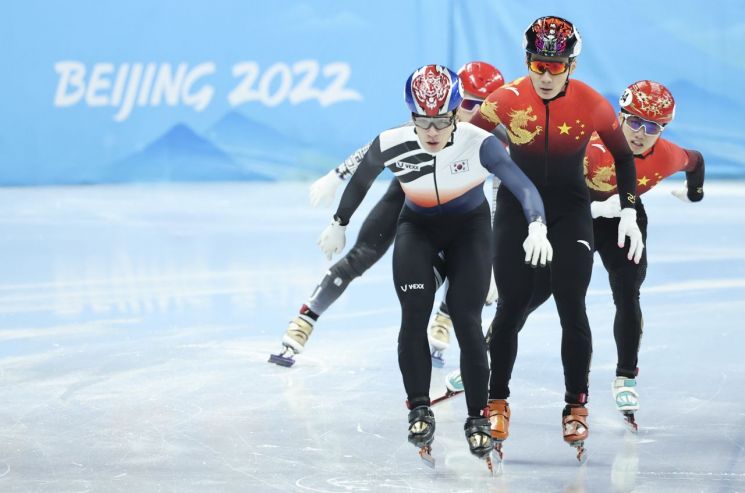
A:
(694, 186)
(333, 238)
(323, 190)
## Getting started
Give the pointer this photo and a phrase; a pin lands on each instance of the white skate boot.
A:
(293, 341)
(438, 335)
(627, 399)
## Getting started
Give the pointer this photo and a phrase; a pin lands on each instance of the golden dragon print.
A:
(517, 129)
(599, 179)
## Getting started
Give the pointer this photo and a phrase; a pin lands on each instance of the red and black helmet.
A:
(552, 36)
(649, 100)
(480, 79)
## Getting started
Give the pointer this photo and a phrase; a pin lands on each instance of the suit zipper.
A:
(545, 148)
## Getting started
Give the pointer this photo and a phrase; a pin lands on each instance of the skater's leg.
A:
(515, 282)
(467, 259)
(626, 279)
(375, 237)
(413, 258)
(570, 277)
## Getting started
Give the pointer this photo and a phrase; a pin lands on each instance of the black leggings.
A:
(522, 288)
(465, 241)
(626, 279)
(375, 237)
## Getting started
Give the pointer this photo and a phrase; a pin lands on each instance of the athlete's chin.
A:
(547, 93)
(636, 148)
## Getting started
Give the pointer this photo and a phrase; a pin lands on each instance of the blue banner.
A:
(99, 92)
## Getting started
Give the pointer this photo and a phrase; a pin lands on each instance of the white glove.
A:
(627, 227)
(323, 190)
(536, 245)
(492, 295)
(332, 239)
(682, 193)
(610, 207)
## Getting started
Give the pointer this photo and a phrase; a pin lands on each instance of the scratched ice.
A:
(136, 322)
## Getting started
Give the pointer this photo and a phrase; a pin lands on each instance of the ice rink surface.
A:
(136, 323)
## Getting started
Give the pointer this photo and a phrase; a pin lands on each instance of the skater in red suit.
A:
(647, 107)
(549, 119)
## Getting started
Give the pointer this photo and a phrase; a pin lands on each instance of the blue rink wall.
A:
(283, 90)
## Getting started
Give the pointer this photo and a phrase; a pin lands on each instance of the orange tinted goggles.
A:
(553, 68)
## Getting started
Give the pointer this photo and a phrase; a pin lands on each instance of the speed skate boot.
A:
(574, 424)
(499, 421)
(438, 335)
(422, 432)
(627, 400)
(479, 437)
(293, 342)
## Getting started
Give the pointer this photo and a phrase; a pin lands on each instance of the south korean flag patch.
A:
(459, 167)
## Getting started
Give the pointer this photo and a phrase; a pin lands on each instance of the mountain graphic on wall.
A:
(180, 155)
(264, 150)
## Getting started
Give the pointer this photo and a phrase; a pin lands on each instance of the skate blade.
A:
(630, 421)
(496, 465)
(448, 394)
(498, 452)
(426, 454)
(280, 360)
(489, 465)
(581, 451)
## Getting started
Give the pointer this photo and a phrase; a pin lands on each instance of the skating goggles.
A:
(636, 122)
(553, 68)
(425, 122)
(470, 104)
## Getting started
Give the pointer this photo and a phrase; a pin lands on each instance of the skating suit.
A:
(548, 141)
(626, 277)
(375, 237)
(445, 211)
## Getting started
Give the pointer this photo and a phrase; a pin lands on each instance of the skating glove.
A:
(332, 239)
(610, 207)
(492, 295)
(536, 245)
(687, 195)
(627, 227)
(323, 190)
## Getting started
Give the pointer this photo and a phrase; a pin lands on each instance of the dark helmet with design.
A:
(433, 90)
(552, 36)
(480, 79)
(649, 100)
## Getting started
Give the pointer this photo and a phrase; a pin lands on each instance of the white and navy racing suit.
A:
(445, 210)
(375, 237)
